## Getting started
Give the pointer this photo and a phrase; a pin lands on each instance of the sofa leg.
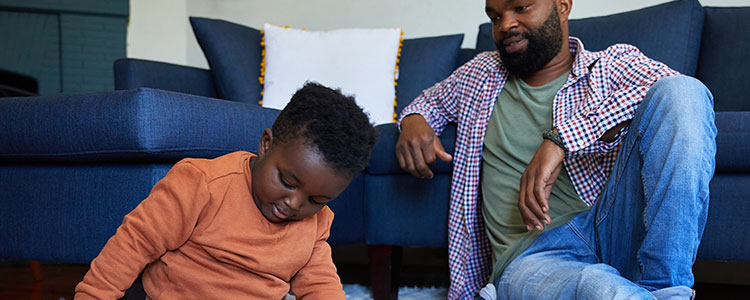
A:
(36, 270)
(385, 270)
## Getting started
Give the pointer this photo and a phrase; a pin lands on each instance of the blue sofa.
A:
(71, 166)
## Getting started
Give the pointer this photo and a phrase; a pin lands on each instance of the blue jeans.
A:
(640, 239)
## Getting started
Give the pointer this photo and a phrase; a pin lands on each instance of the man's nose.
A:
(508, 22)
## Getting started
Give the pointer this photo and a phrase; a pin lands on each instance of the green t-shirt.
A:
(513, 135)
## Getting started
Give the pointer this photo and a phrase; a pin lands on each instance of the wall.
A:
(416, 18)
(68, 45)
(158, 30)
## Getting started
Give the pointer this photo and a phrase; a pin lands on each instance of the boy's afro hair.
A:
(332, 123)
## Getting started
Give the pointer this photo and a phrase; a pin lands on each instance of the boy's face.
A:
(291, 182)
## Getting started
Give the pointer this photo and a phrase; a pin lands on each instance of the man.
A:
(554, 130)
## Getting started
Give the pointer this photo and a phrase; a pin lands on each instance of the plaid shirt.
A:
(603, 89)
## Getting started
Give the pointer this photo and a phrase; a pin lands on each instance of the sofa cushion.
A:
(360, 61)
(233, 52)
(65, 213)
(668, 32)
(724, 63)
(383, 159)
(404, 210)
(733, 141)
(424, 62)
(133, 125)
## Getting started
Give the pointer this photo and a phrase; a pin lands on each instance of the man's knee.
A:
(679, 104)
(683, 95)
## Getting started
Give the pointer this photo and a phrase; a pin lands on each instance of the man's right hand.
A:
(418, 146)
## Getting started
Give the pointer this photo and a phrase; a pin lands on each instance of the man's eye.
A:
(522, 8)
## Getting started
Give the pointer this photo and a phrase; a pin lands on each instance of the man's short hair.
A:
(331, 123)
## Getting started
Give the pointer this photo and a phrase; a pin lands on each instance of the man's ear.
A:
(563, 9)
(265, 141)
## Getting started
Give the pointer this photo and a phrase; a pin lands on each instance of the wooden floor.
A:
(16, 281)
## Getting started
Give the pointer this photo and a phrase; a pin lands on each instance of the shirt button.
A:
(461, 282)
(581, 142)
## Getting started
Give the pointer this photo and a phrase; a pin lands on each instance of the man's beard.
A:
(543, 43)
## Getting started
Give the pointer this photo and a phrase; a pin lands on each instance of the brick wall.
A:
(68, 45)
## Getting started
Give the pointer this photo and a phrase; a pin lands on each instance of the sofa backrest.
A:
(668, 32)
(723, 65)
(131, 73)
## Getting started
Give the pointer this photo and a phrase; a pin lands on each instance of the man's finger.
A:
(440, 151)
(409, 163)
(526, 215)
(541, 198)
(420, 166)
(400, 159)
(533, 204)
(526, 204)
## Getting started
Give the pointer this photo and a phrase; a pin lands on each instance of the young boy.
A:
(242, 226)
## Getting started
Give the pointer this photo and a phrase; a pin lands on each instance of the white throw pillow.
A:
(360, 62)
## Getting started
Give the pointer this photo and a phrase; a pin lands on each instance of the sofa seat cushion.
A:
(724, 65)
(733, 141)
(131, 125)
(669, 32)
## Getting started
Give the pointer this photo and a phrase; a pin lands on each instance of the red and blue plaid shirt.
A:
(603, 89)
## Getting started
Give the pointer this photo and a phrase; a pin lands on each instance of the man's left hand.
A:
(536, 184)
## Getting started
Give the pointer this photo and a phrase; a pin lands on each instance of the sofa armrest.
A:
(383, 160)
(143, 125)
(136, 73)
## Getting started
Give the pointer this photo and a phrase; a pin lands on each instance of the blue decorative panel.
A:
(30, 45)
(90, 46)
(69, 46)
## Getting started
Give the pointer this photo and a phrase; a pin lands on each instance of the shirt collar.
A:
(583, 58)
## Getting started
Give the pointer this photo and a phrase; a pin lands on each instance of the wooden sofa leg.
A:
(385, 267)
(36, 270)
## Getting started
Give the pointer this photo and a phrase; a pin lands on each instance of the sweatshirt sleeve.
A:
(161, 222)
(318, 278)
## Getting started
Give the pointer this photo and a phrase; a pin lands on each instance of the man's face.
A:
(291, 182)
(527, 33)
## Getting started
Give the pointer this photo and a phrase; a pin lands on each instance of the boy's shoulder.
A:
(212, 168)
(323, 219)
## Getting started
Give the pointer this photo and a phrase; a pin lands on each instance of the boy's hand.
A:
(536, 184)
(418, 146)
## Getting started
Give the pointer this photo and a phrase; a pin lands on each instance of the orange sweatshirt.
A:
(204, 238)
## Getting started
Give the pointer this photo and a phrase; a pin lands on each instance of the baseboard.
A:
(722, 272)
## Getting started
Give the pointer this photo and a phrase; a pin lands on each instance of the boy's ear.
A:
(265, 141)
